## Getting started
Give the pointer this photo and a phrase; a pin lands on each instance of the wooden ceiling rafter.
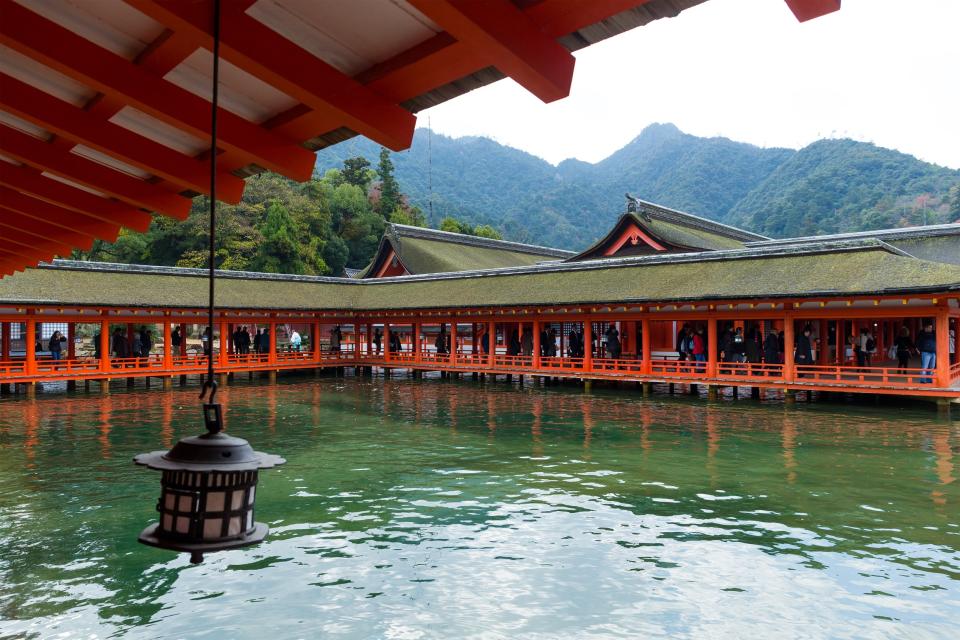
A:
(76, 57)
(84, 127)
(45, 156)
(508, 39)
(12, 219)
(29, 181)
(262, 52)
(50, 213)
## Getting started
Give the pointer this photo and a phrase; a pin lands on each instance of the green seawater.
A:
(442, 509)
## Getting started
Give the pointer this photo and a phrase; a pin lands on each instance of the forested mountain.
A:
(829, 186)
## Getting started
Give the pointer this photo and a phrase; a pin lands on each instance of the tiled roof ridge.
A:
(921, 231)
(403, 230)
(667, 214)
(867, 244)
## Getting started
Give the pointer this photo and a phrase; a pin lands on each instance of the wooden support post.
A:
(588, 345)
(30, 359)
(647, 389)
(272, 353)
(224, 354)
(386, 341)
(492, 341)
(712, 348)
(5, 341)
(315, 340)
(537, 347)
(272, 376)
(647, 356)
(942, 329)
(712, 391)
(104, 345)
(167, 383)
(71, 340)
(167, 347)
(824, 346)
(788, 364)
(790, 396)
(453, 342)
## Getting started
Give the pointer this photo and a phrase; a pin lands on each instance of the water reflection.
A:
(443, 509)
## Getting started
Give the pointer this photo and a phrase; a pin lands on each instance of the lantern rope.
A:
(210, 384)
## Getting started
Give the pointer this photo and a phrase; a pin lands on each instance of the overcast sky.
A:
(884, 71)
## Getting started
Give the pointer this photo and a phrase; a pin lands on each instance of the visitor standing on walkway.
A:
(146, 342)
(752, 345)
(56, 345)
(904, 347)
(175, 341)
(927, 346)
(295, 341)
(803, 355)
(771, 349)
(699, 350)
(336, 337)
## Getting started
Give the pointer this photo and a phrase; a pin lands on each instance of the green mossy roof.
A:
(937, 248)
(686, 236)
(865, 271)
(420, 255)
(425, 251)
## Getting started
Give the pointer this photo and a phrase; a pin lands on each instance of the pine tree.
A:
(389, 189)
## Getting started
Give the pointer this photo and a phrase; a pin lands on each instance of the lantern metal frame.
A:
(208, 494)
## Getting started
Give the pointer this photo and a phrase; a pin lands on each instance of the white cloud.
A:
(882, 71)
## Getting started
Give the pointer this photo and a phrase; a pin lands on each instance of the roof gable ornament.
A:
(635, 205)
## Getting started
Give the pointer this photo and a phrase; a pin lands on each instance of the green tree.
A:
(356, 171)
(486, 231)
(279, 251)
(389, 188)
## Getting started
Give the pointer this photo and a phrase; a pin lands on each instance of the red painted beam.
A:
(47, 157)
(31, 182)
(11, 219)
(509, 40)
(262, 52)
(809, 9)
(31, 256)
(74, 56)
(58, 216)
(12, 236)
(443, 59)
(84, 127)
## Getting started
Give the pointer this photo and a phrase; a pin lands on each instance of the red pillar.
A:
(788, 373)
(71, 346)
(647, 357)
(712, 347)
(942, 329)
(167, 347)
(492, 341)
(386, 340)
(30, 361)
(183, 339)
(824, 345)
(315, 340)
(537, 347)
(5, 342)
(272, 357)
(588, 344)
(224, 344)
(104, 345)
(453, 341)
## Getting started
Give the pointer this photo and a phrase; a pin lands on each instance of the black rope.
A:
(214, 99)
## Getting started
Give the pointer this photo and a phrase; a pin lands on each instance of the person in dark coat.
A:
(176, 340)
(683, 337)
(378, 339)
(752, 345)
(927, 346)
(146, 342)
(485, 342)
(575, 344)
(526, 343)
(771, 348)
(96, 346)
(56, 345)
(119, 345)
(905, 347)
(513, 347)
(803, 354)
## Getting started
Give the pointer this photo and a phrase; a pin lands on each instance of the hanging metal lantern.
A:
(208, 489)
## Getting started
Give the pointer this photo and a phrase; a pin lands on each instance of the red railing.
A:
(955, 371)
(11, 368)
(553, 363)
(749, 370)
(863, 375)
